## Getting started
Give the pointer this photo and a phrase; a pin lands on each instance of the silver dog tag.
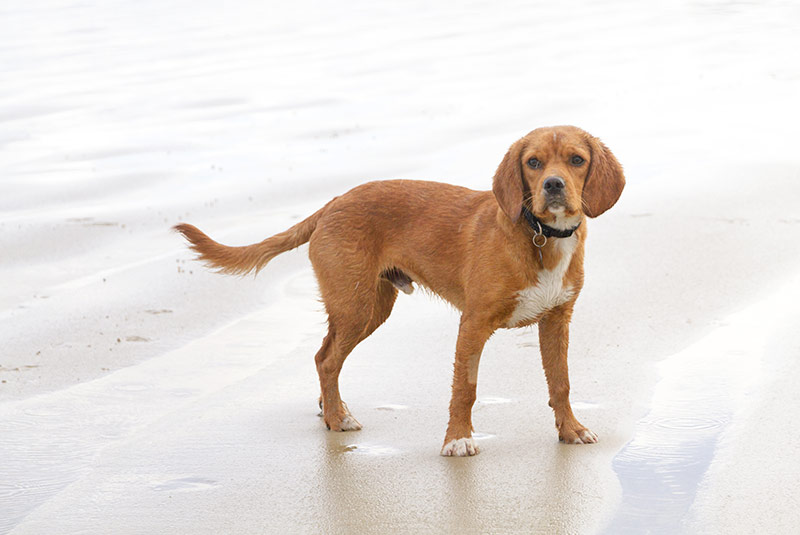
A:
(539, 241)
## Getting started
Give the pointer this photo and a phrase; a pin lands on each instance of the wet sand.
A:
(141, 393)
(222, 434)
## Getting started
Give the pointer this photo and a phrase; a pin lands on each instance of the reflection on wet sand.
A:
(490, 493)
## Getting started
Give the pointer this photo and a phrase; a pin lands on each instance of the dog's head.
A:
(558, 172)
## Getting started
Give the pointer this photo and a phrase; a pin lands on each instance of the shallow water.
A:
(700, 390)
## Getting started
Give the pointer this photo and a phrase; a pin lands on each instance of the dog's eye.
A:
(533, 163)
(576, 160)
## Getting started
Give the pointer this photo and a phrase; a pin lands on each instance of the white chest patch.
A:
(549, 291)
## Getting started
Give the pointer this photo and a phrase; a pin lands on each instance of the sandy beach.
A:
(142, 393)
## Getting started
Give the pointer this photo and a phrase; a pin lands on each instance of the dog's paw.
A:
(340, 419)
(345, 423)
(349, 423)
(578, 436)
(460, 447)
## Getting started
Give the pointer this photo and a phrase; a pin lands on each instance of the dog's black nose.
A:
(554, 184)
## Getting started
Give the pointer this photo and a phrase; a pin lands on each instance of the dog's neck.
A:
(540, 228)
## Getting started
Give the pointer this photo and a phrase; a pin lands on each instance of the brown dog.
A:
(505, 258)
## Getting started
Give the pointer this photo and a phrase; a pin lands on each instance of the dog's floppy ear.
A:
(507, 184)
(605, 180)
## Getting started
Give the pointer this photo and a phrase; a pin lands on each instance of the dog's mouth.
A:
(555, 206)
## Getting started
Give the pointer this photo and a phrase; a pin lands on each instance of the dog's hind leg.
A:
(351, 318)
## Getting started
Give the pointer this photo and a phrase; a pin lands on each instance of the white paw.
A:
(585, 437)
(349, 424)
(460, 447)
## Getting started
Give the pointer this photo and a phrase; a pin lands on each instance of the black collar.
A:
(540, 228)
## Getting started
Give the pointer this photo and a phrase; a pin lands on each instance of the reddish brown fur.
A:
(469, 247)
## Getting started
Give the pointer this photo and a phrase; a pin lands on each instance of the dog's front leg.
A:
(472, 336)
(554, 341)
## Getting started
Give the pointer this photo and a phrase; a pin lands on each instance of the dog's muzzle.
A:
(554, 186)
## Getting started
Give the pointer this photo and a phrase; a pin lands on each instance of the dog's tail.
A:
(243, 260)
